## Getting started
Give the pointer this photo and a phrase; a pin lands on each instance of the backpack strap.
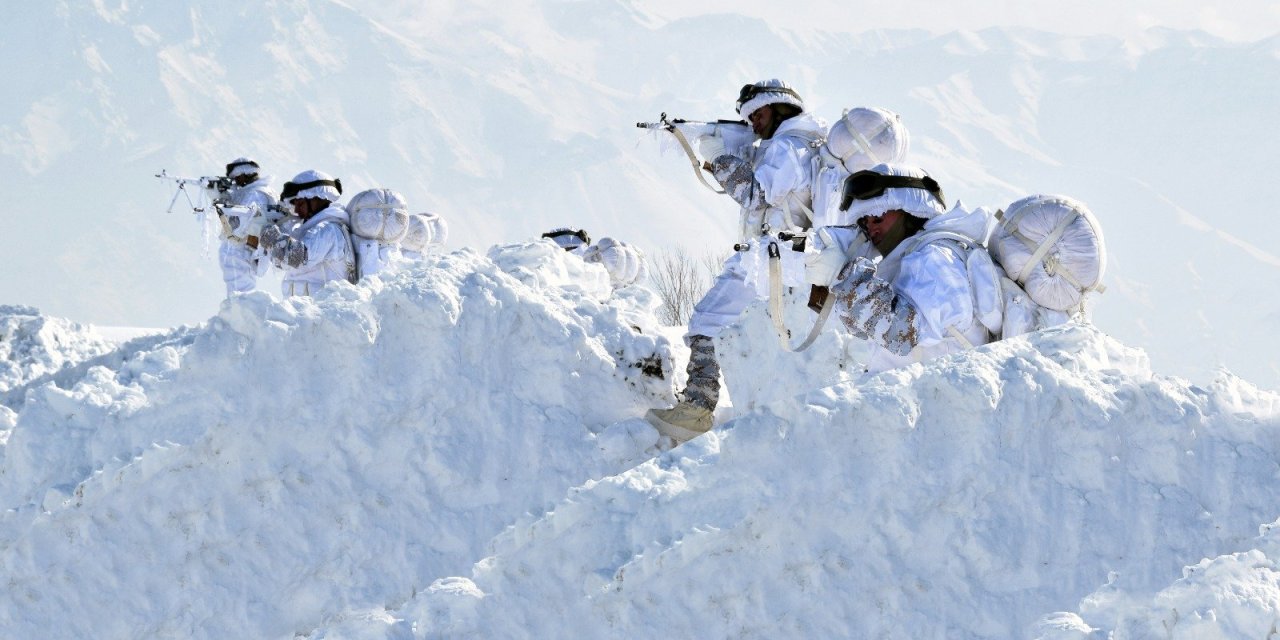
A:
(968, 244)
(863, 141)
(353, 265)
(955, 333)
(814, 141)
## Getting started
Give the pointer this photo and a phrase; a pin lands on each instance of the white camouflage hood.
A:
(917, 202)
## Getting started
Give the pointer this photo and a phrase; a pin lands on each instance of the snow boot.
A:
(691, 417)
(681, 423)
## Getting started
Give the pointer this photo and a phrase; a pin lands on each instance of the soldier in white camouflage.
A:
(771, 180)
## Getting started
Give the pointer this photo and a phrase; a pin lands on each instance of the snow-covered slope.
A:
(32, 345)
(984, 495)
(291, 459)
(455, 452)
(512, 118)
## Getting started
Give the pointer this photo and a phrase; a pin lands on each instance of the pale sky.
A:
(1244, 20)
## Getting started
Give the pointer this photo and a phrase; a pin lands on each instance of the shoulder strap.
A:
(776, 310)
(969, 245)
(353, 265)
(930, 237)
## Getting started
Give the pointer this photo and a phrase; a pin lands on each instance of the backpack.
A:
(379, 219)
(1043, 258)
(424, 231)
(1053, 247)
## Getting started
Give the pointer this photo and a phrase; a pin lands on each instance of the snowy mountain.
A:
(456, 452)
(515, 118)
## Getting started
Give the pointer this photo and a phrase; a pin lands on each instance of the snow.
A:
(293, 458)
(967, 498)
(32, 345)
(456, 451)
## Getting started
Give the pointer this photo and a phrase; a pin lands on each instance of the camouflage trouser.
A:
(703, 387)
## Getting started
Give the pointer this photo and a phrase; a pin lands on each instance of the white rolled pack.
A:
(1052, 246)
(425, 230)
(379, 214)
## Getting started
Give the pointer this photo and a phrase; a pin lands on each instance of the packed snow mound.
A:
(32, 345)
(968, 497)
(1231, 596)
(294, 458)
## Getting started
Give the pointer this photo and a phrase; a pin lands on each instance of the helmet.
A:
(773, 91)
(568, 239)
(312, 184)
(864, 137)
(241, 167)
(886, 187)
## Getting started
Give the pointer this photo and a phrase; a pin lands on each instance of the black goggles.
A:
(560, 233)
(242, 163)
(292, 189)
(866, 184)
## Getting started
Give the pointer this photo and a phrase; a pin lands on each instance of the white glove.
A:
(711, 147)
(822, 266)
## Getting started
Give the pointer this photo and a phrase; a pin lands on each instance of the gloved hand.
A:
(711, 147)
(822, 266)
(296, 253)
(862, 270)
(287, 251)
(270, 235)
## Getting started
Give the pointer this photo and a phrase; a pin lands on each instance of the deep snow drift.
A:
(454, 452)
(32, 345)
(985, 495)
(293, 459)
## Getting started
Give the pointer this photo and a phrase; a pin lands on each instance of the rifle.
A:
(210, 184)
(237, 222)
(796, 237)
(736, 133)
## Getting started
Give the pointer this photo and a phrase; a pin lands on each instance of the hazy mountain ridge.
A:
(513, 120)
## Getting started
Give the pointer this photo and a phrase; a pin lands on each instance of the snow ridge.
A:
(308, 456)
(980, 496)
(454, 451)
